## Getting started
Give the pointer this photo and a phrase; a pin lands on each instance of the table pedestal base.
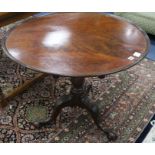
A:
(78, 97)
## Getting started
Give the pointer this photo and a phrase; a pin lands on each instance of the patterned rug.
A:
(127, 104)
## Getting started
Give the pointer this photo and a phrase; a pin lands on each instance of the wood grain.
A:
(77, 44)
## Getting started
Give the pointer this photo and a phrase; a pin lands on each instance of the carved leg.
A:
(78, 97)
(94, 112)
(74, 99)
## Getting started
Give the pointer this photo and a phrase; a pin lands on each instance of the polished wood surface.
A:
(77, 44)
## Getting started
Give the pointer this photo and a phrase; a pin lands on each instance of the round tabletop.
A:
(76, 44)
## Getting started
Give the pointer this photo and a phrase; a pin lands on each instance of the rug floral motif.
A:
(127, 103)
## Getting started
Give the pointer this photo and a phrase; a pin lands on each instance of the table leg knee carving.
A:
(93, 109)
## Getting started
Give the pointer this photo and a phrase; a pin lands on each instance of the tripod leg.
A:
(94, 111)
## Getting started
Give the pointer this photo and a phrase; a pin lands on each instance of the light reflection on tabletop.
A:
(58, 37)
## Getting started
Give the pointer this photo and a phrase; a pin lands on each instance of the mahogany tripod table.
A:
(77, 45)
